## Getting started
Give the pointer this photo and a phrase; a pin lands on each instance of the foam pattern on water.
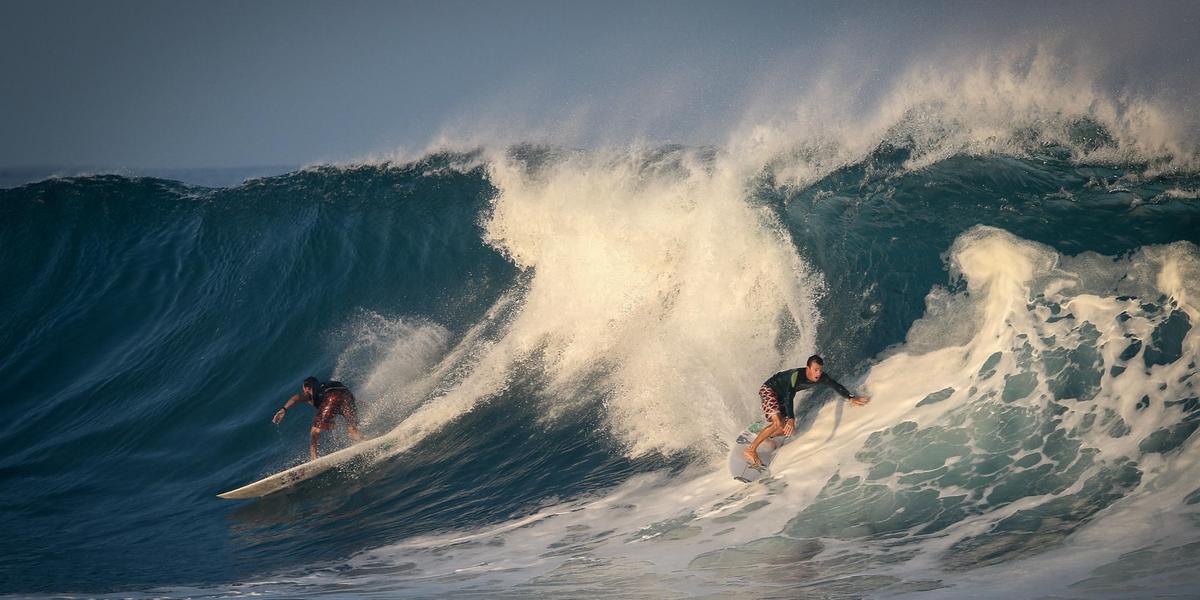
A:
(1039, 444)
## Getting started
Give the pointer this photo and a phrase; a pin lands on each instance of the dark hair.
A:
(815, 359)
(311, 382)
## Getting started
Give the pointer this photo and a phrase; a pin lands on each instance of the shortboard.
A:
(287, 478)
(739, 467)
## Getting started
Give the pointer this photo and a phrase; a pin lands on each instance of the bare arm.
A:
(325, 415)
(279, 415)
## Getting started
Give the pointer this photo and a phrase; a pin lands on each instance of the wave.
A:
(565, 341)
(1031, 99)
(1064, 413)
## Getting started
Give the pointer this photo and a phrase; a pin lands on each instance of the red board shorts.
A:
(337, 402)
(770, 404)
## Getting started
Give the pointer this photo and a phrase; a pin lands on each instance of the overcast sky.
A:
(165, 84)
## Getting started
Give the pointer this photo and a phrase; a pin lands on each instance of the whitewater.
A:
(560, 345)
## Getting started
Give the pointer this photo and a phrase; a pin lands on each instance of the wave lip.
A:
(1036, 443)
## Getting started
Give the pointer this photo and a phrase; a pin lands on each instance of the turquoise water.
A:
(566, 342)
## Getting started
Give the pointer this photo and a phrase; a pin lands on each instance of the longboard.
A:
(739, 467)
(287, 478)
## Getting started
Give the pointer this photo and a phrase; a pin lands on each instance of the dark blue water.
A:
(151, 328)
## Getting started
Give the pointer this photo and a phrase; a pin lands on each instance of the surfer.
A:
(778, 392)
(330, 399)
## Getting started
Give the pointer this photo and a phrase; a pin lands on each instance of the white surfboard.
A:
(739, 467)
(308, 470)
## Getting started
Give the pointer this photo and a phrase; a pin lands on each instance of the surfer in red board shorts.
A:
(330, 399)
(777, 394)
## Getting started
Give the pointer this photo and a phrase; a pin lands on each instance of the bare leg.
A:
(350, 413)
(314, 435)
(355, 434)
(770, 431)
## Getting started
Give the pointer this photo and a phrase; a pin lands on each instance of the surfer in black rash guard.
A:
(777, 394)
(330, 399)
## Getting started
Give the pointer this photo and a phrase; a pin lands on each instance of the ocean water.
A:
(566, 342)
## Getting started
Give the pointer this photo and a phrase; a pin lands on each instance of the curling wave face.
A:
(1059, 422)
(562, 344)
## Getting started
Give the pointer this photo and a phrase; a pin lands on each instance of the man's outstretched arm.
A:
(841, 389)
(279, 415)
(837, 387)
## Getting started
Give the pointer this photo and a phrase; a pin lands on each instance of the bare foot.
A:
(752, 457)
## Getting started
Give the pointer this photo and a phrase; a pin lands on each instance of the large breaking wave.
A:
(563, 343)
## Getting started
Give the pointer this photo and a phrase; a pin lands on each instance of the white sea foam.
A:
(686, 535)
(1020, 98)
(1016, 101)
(391, 357)
(647, 279)
(1180, 194)
(651, 276)
(661, 276)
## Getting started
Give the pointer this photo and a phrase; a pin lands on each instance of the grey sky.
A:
(224, 84)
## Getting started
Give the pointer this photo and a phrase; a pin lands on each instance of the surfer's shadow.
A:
(286, 506)
(808, 416)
